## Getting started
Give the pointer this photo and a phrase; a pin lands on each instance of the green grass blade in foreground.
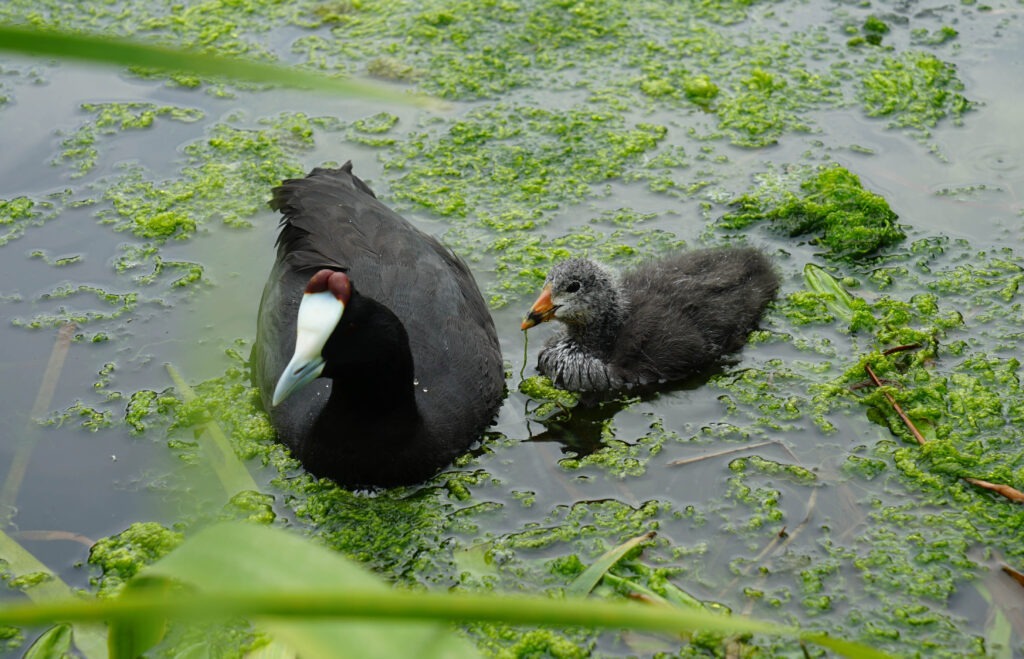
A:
(54, 642)
(245, 558)
(106, 50)
(268, 572)
(90, 639)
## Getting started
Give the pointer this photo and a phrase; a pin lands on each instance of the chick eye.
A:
(572, 287)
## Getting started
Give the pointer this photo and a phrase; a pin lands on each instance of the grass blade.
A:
(89, 639)
(589, 578)
(233, 475)
(100, 49)
(839, 301)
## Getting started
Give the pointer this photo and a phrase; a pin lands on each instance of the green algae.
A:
(914, 90)
(58, 262)
(528, 153)
(121, 556)
(224, 178)
(123, 304)
(624, 459)
(831, 205)
(17, 215)
(11, 637)
(79, 148)
(921, 548)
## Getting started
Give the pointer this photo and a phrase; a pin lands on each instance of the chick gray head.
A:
(584, 295)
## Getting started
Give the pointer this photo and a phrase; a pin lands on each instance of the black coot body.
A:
(657, 323)
(412, 373)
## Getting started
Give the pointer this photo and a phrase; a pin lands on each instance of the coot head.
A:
(578, 292)
(323, 303)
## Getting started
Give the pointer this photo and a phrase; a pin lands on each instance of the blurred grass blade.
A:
(54, 642)
(132, 638)
(589, 578)
(233, 475)
(639, 591)
(819, 281)
(241, 558)
(88, 638)
(322, 605)
(102, 49)
(25, 443)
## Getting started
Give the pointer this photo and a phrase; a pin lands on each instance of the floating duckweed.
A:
(371, 130)
(59, 262)
(873, 29)
(256, 507)
(90, 418)
(850, 221)
(124, 302)
(914, 90)
(509, 156)
(937, 38)
(232, 167)
(10, 637)
(540, 387)
(700, 90)
(121, 556)
(79, 148)
(866, 468)
(799, 475)
(140, 405)
(391, 68)
(20, 213)
(761, 111)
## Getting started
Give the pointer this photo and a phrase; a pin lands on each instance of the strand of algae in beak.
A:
(233, 475)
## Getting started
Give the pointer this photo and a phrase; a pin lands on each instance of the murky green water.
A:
(569, 129)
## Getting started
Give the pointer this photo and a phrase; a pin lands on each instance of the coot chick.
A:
(657, 323)
(375, 353)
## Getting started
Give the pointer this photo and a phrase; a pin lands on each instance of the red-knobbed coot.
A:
(657, 323)
(375, 353)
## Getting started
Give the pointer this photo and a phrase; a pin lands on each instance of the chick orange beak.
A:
(542, 310)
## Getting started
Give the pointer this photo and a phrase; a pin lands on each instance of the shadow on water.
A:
(582, 429)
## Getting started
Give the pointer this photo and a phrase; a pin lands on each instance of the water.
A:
(94, 484)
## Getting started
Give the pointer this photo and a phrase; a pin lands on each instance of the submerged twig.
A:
(895, 349)
(19, 464)
(55, 535)
(1014, 574)
(1007, 491)
(718, 454)
(1010, 493)
(896, 406)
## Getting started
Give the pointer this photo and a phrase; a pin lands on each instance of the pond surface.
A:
(568, 131)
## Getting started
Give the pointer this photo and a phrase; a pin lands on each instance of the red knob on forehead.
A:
(337, 283)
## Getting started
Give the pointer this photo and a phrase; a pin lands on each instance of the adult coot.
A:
(657, 323)
(375, 353)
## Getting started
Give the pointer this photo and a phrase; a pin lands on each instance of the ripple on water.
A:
(999, 158)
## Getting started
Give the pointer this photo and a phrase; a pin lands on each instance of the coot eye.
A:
(572, 287)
